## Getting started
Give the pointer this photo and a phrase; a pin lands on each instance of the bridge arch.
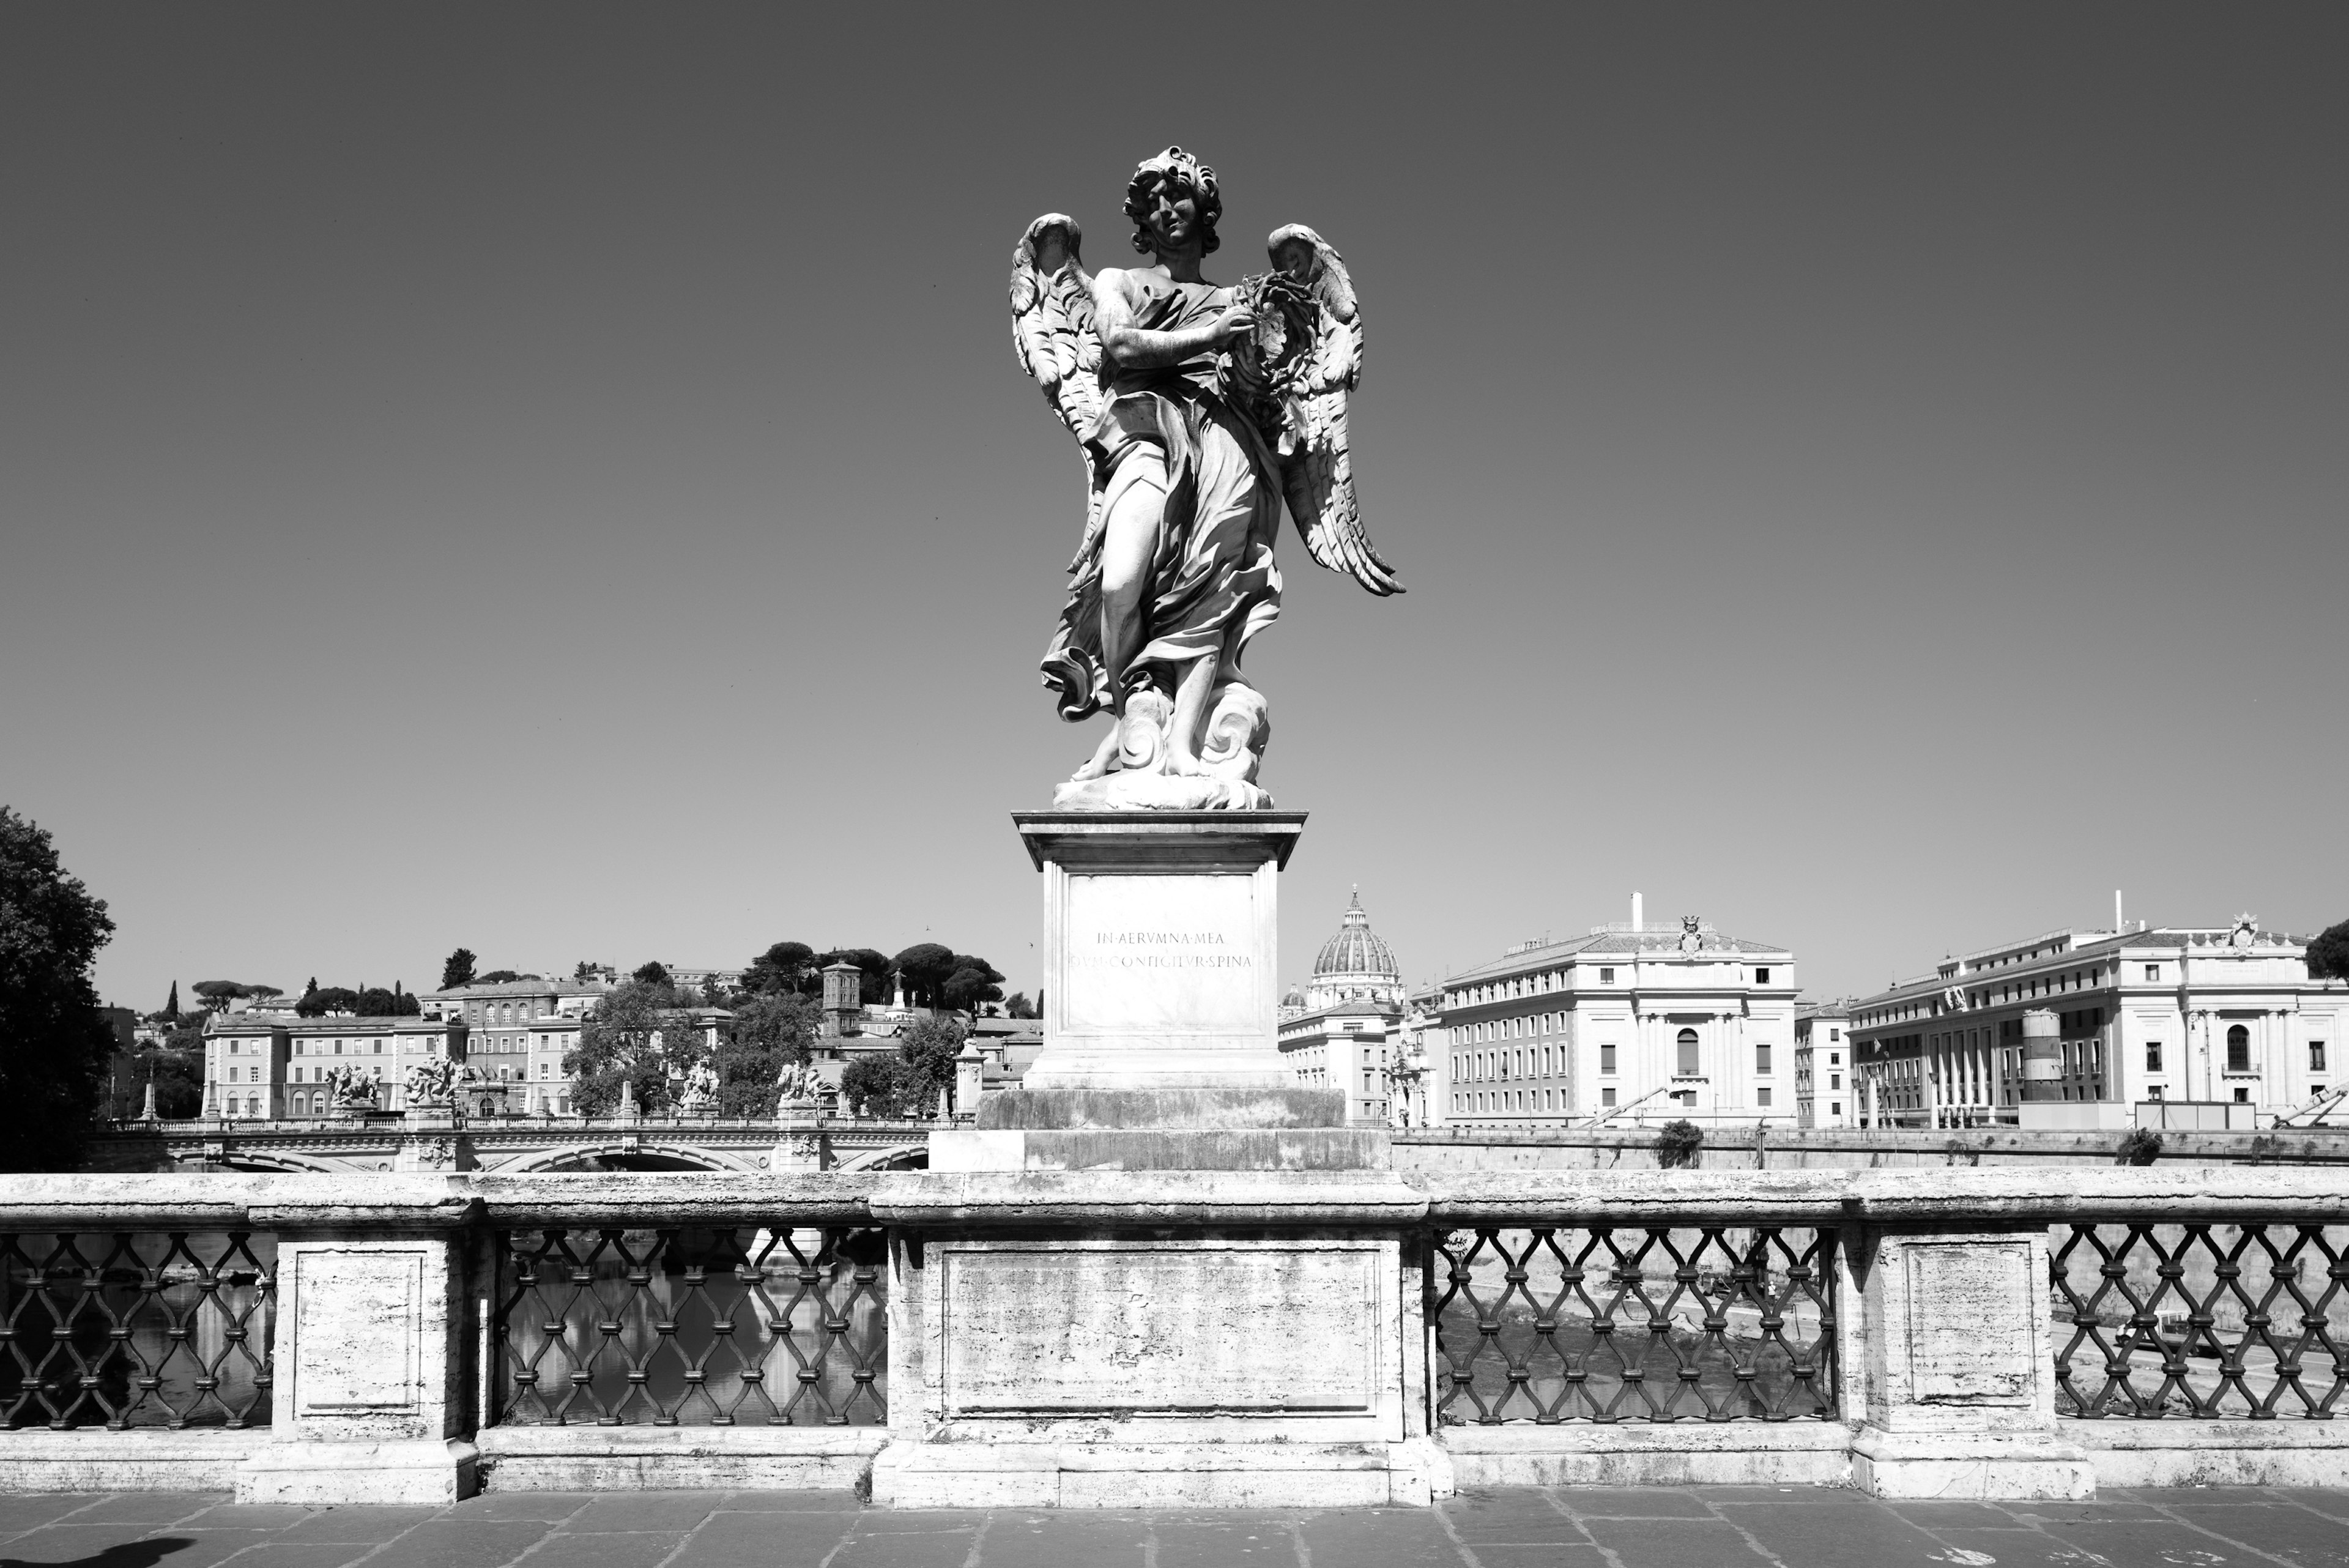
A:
(901, 1156)
(268, 1161)
(625, 1154)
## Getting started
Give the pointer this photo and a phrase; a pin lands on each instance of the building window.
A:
(2316, 1055)
(1607, 1096)
(1762, 1096)
(1607, 1065)
(2153, 971)
(2239, 1050)
(2153, 1092)
(1835, 1080)
(2153, 1056)
(1835, 1108)
(1835, 1058)
(2242, 1096)
(1762, 1056)
(1760, 977)
(1688, 1053)
(1606, 977)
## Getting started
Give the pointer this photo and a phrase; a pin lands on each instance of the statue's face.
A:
(1174, 217)
(1295, 259)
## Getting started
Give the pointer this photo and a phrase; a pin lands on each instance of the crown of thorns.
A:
(1175, 167)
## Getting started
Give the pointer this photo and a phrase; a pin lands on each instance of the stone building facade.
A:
(1688, 1023)
(1826, 1091)
(2221, 1015)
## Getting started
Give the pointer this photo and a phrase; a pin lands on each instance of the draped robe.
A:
(1212, 583)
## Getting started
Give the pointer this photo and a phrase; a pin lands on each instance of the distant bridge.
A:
(509, 1146)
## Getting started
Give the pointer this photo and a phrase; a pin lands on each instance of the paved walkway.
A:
(1694, 1527)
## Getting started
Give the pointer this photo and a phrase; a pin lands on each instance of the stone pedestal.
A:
(799, 1139)
(1054, 1350)
(1159, 946)
(434, 1140)
(1957, 1369)
(369, 1403)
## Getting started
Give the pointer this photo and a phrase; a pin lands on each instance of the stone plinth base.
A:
(1684, 1453)
(1970, 1465)
(313, 1475)
(1162, 1148)
(1160, 1475)
(1159, 946)
(1161, 1130)
(656, 1458)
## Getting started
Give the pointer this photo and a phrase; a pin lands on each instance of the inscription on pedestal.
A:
(356, 1332)
(1970, 1309)
(1129, 1329)
(1167, 956)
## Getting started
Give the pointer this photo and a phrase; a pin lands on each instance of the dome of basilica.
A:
(1356, 949)
(1355, 965)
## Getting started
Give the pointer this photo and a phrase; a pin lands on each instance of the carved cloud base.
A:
(1137, 768)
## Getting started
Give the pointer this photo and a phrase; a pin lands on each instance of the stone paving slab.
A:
(1562, 1527)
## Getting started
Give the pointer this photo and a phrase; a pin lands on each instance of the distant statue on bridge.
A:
(797, 1088)
(699, 1096)
(351, 1089)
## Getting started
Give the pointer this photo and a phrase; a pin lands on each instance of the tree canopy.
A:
(973, 983)
(2328, 955)
(873, 971)
(317, 1003)
(769, 1030)
(458, 971)
(54, 1044)
(923, 967)
(377, 1003)
(500, 977)
(785, 967)
(653, 973)
(1020, 1006)
(908, 1083)
(634, 1035)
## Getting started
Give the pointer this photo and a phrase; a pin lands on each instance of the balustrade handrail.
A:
(308, 1200)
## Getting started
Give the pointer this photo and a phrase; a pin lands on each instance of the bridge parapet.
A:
(1258, 1337)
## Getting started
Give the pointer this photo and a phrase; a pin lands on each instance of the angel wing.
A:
(1052, 334)
(1316, 471)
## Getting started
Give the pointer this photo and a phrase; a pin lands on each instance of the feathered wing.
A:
(1052, 334)
(1316, 471)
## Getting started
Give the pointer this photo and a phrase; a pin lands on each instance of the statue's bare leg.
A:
(1131, 515)
(1183, 731)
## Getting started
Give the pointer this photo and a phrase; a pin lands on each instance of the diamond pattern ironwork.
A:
(136, 1328)
(2265, 1308)
(1551, 1325)
(694, 1326)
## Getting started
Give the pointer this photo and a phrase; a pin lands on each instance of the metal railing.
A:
(123, 1329)
(2205, 1321)
(1555, 1324)
(714, 1325)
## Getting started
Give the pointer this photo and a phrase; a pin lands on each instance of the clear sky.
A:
(554, 478)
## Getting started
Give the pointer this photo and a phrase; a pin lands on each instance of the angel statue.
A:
(1200, 410)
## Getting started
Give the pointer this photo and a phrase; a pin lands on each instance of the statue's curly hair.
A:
(1175, 167)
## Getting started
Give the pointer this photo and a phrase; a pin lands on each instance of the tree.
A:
(311, 989)
(1020, 1006)
(653, 973)
(923, 968)
(769, 1029)
(457, 970)
(583, 971)
(176, 1067)
(873, 971)
(500, 977)
(929, 1048)
(786, 966)
(317, 1003)
(634, 1035)
(1677, 1142)
(219, 994)
(54, 1044)
(263, 992)
(880, 1086)
(172, 1007)
(377, 1003)
(2328, 955)
(974, 983)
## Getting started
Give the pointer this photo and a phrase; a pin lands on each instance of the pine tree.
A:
(171, 1008)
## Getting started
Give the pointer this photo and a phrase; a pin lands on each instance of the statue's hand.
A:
(1234, 324)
